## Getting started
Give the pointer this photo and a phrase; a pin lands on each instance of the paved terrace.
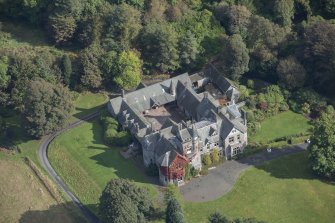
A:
(158, 116)
(221, 180)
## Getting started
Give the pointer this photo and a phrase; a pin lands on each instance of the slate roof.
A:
(233, 110)
(189, 100)
(217, 78)
(141, 98)
(206, 105)
(162, 99)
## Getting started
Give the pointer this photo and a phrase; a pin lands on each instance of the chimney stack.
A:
(123, 94)
(206, 94)
(172, 88)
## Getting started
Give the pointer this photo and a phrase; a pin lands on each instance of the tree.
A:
(122, 29)
(160, 47)
(62, 20)
(234, 57)
(284, 11)
(322, 147)
(89, 30)
(291, 73)
(135, 3)
(67, 69)
(189, 49)
(47, 107)
(234, 18)
(174, 213)
(263, 41)
(319, 55)
(124, 69)
(91, 73)
(329, 7)
(123, 201)
(4, 77)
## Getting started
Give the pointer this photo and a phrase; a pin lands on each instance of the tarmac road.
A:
(43, 157)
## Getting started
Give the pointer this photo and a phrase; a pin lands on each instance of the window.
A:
(231, 139)
(238, 137)
(236, 151)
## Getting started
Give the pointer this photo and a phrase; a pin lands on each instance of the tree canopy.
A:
(235, 57)
(123, 201)
(46, 107)
(124, 68)
(322, 147)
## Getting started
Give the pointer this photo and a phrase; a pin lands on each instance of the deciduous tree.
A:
(123, 68)
(91, 73)
(291, 73)
(67, 69)
(47, 107)
(319, 55)
(122, 29)
(284, 12)
(4, 77)
(123, 201)
(322, 147)
(234, 57)
(160, 47)
(234, 18)
(189, 49)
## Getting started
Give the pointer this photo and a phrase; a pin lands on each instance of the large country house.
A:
(176, 121)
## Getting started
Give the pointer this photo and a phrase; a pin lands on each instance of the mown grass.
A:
(86, 102)
(283, 124)
(86, 164)
(282, 190)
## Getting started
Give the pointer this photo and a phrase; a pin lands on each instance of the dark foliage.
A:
(123, 201)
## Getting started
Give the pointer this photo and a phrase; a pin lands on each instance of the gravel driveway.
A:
(221, 180)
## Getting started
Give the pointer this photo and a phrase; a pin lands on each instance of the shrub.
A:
(206, 160)
(204, 172)
(215, 156)
(250, 83)
(111, 135)
(194, 172)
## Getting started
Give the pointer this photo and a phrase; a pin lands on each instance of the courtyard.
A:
(157, 116)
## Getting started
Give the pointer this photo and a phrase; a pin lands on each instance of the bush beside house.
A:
(112, 135)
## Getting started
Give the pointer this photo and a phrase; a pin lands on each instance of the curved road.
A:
(43, 156)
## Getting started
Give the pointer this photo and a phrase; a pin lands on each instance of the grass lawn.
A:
(283, 190)
(87, 102)
(86, 164)
(283, 124)
(25, 199)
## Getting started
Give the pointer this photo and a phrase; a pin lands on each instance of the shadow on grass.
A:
(66, 213)
(288, 163)
(83, 112)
